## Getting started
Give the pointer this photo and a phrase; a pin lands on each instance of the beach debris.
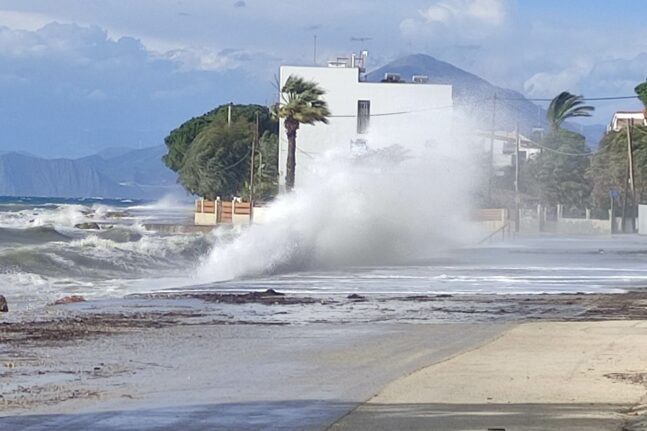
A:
(88, 226)
(356, 297)
(69, 300)
(4, 308)
(266, 297)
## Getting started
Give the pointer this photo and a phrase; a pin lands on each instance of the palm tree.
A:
(641, 91)
(301, 103)
(566, 105)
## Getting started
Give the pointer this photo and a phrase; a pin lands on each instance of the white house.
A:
(504, 148)
(622, 118)
(366, 115)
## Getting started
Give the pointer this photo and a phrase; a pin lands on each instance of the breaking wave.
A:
(385, 209)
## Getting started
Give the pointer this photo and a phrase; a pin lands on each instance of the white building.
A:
(504, 147)
(366, 115)
(621, 119)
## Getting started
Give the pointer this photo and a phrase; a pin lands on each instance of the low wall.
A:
(208, 213)
(576, 226)
(177, 228)
(205, 219)
(642, 219)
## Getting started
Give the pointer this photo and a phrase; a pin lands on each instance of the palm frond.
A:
(301, 101)
(566, 105)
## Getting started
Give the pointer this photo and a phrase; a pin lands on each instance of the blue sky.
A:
(77, 76)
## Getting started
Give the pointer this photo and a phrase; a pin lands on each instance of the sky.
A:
(79, 76)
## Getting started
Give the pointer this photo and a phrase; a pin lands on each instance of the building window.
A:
(363, 116)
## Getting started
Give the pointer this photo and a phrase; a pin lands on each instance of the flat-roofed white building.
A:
(366, 115)
(622, 118)
(504, 147)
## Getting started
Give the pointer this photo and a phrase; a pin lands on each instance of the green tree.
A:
(641, 91)
(301, 103)
(266, 164)
(213, 159)
(560, 171)
(610, 166)
(215, 163)
(564, 106)
(180, 139)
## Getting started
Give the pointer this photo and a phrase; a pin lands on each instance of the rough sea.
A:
(44, 257)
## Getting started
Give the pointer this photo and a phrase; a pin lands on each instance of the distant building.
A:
(504, 148)
(366, 115)
(621, 119)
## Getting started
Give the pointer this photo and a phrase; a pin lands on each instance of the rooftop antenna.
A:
(362, 55)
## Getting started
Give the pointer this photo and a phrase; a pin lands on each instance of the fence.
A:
(209, 213)
(555, 219)
(492, 223)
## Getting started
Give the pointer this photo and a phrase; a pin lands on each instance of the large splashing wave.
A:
(388, 207)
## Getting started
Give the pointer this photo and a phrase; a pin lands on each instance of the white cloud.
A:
(458, 20)
(24, 20)
(549, 84)
(206, 59)
(490, 12)
(70, 89)
(487, 12)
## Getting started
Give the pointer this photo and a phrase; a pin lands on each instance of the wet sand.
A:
(222, 377)
(282, 362)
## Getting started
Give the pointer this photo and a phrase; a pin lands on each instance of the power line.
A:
(386, 114)
(233, 165)
(586, 99)
(565, 153)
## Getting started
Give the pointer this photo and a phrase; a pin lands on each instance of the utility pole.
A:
(251, 173)
(517, 200)
(491, 169)
(629, 188)
(612, 216)
(632, 187)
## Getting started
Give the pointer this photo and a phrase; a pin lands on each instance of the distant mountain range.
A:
(140, 174)
(113, 173)
(475, 95)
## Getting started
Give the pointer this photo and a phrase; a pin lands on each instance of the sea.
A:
(45, 255)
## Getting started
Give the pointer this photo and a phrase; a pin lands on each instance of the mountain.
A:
(476, 96)
(135, 174)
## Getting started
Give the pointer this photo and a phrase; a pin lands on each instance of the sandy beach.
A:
(536, 376)
(152, 363)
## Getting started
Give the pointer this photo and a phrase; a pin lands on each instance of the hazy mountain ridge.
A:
(476, 95)
(136, 174)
